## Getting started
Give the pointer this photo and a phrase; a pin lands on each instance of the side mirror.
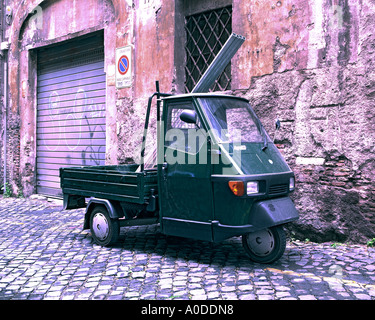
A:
(189, 116)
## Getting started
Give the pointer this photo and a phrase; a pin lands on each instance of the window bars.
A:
(206, 34)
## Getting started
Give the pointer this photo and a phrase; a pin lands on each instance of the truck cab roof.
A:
(197, 95)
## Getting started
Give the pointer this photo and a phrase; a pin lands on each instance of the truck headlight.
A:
(291, 184)
(252, 187)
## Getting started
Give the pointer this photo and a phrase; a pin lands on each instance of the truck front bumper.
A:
(264, 214)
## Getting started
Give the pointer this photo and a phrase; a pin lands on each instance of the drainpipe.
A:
(4, 49)
(5, 121)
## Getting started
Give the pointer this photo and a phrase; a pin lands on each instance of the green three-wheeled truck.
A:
(216, 174)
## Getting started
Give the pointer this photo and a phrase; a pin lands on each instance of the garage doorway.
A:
(71, 95)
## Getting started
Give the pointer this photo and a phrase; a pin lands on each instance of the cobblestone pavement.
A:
(44, 254)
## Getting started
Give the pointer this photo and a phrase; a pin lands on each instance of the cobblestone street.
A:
(44, 254)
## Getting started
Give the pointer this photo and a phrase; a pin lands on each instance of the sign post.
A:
(124, 67)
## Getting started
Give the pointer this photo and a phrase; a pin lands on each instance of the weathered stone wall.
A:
(326, 108)
(154, 38)
(328, 146)
(2, 110)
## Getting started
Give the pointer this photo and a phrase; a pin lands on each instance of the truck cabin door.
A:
(186, 191)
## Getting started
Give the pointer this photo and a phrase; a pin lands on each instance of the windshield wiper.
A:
(264, 135)
(265, 142)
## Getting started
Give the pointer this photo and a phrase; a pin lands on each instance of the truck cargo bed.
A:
(120, 183)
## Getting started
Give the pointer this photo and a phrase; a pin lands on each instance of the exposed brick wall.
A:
(343, 195)
(13, 155)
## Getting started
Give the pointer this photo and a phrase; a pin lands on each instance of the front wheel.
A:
(265, 246)
(104, 230)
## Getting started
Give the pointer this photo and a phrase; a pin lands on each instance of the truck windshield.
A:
(232, 120)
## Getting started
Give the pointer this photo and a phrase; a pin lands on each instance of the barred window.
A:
(206, 33)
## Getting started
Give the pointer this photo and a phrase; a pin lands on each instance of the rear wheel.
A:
(265, 246)
(104, 230)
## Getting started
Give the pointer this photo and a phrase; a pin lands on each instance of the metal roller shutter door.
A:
(71, 89)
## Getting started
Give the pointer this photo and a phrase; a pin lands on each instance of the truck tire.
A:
(265, 246)
(104, 230)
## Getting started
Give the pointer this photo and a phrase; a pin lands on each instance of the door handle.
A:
(165, 166)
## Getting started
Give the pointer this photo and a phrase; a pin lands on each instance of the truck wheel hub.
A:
(100, 226)
(261, 242)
